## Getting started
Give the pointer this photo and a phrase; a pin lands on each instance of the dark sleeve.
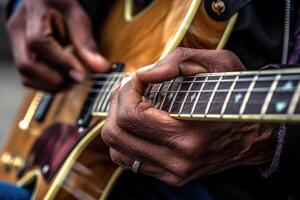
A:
(289, 167)
(9, 6)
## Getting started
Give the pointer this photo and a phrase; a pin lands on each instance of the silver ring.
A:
(135, 166)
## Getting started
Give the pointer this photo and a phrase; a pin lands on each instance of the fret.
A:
(98, 92)
(181, 93)
(101, 98)
(228, 95)
(294, 101)
(172, 103)
(198, 96)
(282, 96)
(156, 94)
(297, 109)
(247, 96)
(106, 103)
(270, 94)
(170, 95)
(212, 96)
(185, 98)
(189, 103)
(165, 97)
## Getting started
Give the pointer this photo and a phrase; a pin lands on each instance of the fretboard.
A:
(269, 96)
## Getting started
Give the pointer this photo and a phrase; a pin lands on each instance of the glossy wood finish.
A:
(137, 42)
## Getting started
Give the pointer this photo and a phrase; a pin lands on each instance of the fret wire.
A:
(294, 100)
(164, 99)
(106, 102)
(265, 72)
(185, 97)
(211, 97)
(155, 95)
(229, 95)
(108, 94)
(171, 106)
(101, 99)
(95, 106)
(265, 89)
(198, 96)
(270, 95)
(247, 95)
(294, 77)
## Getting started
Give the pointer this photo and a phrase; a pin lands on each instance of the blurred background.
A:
(11, 89)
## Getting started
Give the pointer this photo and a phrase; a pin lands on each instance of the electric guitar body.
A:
(61, 155)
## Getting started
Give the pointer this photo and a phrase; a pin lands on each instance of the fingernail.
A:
(125, 80)
(146, 68)
(95, 56)
(76, 76)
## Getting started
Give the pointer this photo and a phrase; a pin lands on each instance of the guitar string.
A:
(280, 89)
(262, 79)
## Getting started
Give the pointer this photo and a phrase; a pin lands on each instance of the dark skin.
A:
(44, 63)
(175, 151)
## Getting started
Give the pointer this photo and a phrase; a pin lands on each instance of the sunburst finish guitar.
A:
(54, 146)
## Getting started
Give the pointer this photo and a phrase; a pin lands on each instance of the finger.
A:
(52, 80)
(80, 30)
(186, 61)
(38, 84)
(145, 167)
(40, 40)
(137, 116)
(125, 142)
(42, 76)
(161, 156)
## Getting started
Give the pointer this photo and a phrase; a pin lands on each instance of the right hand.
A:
(43, 62)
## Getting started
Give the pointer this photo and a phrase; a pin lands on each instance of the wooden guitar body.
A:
(86, 171)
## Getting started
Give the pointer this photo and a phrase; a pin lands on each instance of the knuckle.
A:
(24, 66)
(228, 56)
(35, 39)
(183, 168)
(126, 116)
(106, 133)
(26, 83)
(186, 145)
(114, 155)
(172, 180)
(181, 52)
(110, 135)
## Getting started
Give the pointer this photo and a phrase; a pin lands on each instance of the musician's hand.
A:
(174, 151)
(42, 61)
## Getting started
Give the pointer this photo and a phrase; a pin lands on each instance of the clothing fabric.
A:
(137, 187)
(12, 192)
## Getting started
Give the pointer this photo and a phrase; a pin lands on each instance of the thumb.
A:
(179, 63)
(80, 30)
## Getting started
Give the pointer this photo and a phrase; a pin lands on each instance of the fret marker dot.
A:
(288, 86)
(193, 97)
(280, 106)
(237, 97)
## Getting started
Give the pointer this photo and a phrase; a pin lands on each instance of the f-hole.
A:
(140, 5)
(136, 8)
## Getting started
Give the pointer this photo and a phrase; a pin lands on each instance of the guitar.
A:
(55, 147)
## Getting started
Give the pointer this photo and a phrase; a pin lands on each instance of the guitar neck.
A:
(262, 96)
